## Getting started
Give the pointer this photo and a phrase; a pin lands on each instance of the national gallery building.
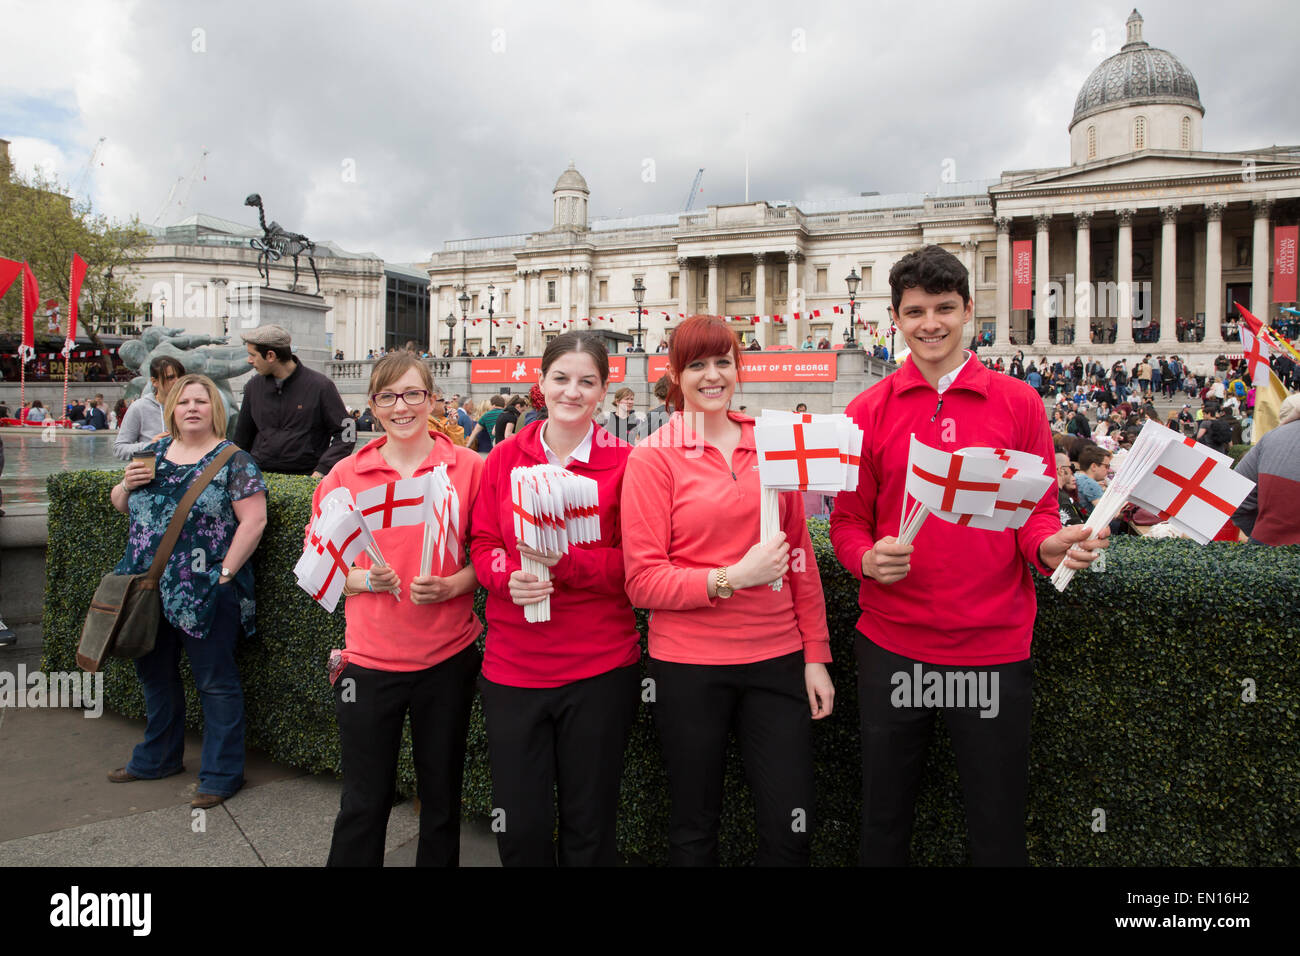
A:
(1142, 244)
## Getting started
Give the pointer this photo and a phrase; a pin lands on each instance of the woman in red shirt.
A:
(726, 651)
(413, 655)
(559, 696)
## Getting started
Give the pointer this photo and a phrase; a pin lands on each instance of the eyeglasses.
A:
(412, 396)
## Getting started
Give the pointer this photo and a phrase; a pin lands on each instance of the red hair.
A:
(700, 336)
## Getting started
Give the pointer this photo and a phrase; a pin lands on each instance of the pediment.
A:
(1146, 167)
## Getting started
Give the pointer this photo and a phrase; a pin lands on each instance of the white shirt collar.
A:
(946, 382)
(582, 453)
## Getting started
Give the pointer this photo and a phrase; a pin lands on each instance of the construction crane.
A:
(74, 187)
(180, 191)
(695, 189)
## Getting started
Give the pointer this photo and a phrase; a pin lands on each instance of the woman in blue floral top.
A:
(206, 589)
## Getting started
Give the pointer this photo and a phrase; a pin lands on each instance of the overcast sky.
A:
(391, 127)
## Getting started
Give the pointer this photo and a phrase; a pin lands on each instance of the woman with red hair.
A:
(726, 651)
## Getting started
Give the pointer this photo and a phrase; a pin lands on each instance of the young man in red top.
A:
(959, 602)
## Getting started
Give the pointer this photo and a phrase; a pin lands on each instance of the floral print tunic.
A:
(189, 582)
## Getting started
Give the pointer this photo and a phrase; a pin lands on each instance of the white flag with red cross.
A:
(338, 498)
(795, 451)
(440, 515)
(396, 504)
(1194, 488)
(553, 509)
(343, 537)
(1022, 483)
(953, 483)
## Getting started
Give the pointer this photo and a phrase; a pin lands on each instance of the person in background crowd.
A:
(96, 420)
(292, 417)
(440, 418)
(537, 399)
(415, 655)
(658, 416)
(623, 422)
(1094, 467)
(753, 345)
(726, 651)
(509, 418)
(1216, 431)
(203, 611)
(808, 343)
(559, 696)
(481, 438)
(1065, 490)
(456, 410)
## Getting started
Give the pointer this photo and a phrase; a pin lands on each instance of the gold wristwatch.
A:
(724, 589)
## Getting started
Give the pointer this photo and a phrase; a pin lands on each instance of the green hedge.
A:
(1138, 706)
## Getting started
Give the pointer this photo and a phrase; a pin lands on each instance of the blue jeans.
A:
(212, 659)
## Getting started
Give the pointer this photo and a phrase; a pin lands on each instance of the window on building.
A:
(602, 291)
(1140, 133)
(475, 346)
(550, 290)
(990, 269)
(702, 284)
(781, 337)
(547, 336)
(746, 284)
(865, 272)
(1092, 142)
(473, 302)
(821, 280)
(672, 287)
(781, 282)
(820, 332)
(1187, 132)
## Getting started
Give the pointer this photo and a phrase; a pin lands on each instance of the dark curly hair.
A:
(931, 268)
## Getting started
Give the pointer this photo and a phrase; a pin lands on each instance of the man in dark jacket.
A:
(292, 419)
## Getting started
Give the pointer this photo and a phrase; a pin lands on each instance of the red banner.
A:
(796, 367)
(656, 366)
(1022, 274)
(1284, 254)
(524, 372)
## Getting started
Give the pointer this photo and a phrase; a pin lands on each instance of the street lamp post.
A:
(638, 293)
(162, 309)
(852, 280)
(450, 320)
(464, 321)
(491, 290)
(892, 330)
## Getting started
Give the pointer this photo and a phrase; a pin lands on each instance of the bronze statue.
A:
(276, 241)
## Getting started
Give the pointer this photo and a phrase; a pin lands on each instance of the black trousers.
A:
(992, 757)
(571, 739)
(766, 704)
(370, 732)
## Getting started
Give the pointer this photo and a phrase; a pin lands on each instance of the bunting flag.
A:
(74, 295)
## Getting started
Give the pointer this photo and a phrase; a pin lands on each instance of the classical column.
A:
(1259, 260)
(792, 296)
(1003, 340)
(1042, 321)
(566, 295)
(1214, 274)
(760, 296)
(684, 285)
(1082, 278)
(534, 337)
(1168, 276)
(713, 284)
(584, 292)
(521, 304)
(1124, 279)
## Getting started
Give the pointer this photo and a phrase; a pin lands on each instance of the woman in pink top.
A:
(413, 655)
(726, 651)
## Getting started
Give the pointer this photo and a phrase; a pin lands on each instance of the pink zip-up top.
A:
(687, 511)
(390, 635)
(968, 598)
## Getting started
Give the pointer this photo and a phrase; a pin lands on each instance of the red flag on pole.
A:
(1022, 274)
(1284, 255)
(9, 271)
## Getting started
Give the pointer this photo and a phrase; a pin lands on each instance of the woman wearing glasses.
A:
(415, 654)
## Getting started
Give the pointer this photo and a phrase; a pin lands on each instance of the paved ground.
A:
(57, 808)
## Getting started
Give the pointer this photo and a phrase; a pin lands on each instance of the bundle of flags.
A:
(994, 489)
(1189, 485)
(803, 452)
(1260, 343)
(344, 527)
(553, 508)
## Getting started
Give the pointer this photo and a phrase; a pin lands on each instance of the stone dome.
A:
(571, 179)
(1135, 76)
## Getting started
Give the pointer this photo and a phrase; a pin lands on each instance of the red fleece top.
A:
(968, 598)
(390, 635)
(687, 511)
(592, 629)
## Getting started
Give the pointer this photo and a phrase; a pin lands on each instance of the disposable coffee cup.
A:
(145, 458)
